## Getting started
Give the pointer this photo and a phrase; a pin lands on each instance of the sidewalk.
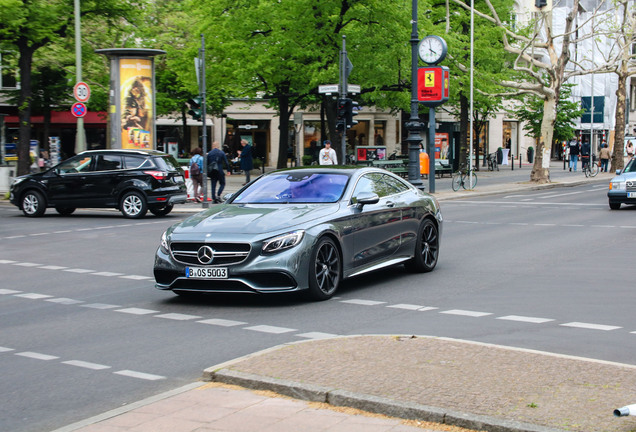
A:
(412, 383)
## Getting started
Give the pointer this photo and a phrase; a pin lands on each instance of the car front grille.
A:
(630, 186)
(224, 253)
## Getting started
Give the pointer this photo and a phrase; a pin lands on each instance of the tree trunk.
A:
(541, 168)
(619, 137)
(24, 106)
(464, 124)
(283, 143)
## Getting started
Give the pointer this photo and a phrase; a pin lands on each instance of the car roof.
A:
(125, 151)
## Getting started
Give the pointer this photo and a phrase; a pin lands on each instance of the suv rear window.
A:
(134, 162)
(167, 163)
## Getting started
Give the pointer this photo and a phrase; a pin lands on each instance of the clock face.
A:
(432, 49)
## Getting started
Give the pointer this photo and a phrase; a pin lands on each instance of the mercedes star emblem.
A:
(205, 254)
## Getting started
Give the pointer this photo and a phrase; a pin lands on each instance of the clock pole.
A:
(414, 126)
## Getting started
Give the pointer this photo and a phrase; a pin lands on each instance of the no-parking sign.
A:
(78, 109)
(82, 92)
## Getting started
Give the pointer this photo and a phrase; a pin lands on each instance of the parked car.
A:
(622, 188)
(133, 181)
(302, 229)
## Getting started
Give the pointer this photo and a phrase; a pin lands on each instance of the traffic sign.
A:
(82, 92)
(78, 109)
(328, 88)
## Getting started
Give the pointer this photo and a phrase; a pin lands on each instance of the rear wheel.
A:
(325, 270)
(426, 249)
(133, 205)
(33, 204)
(467, 184)
(457, 181)
(65, 211)
(161, 210)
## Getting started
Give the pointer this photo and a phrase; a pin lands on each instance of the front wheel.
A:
(457, 181)
(161, 210)
(33, 204)
(133, 205)
(324, 270)
(467, 184)
(426, 248)
(593, 170)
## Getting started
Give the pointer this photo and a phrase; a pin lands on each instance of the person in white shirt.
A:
(328, 155)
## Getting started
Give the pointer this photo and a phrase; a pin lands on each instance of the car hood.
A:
(622, 177)
(253, 218)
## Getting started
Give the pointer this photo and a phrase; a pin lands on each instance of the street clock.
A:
(432, 49)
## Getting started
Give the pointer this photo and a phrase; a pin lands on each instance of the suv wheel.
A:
(65, 211)
(33, 204)
(133, 205)
(161, 210)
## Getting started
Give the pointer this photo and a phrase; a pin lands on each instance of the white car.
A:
(622, 188)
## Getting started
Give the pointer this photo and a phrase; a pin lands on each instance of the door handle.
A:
(390, 204)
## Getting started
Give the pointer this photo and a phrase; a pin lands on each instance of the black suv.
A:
(133, 181)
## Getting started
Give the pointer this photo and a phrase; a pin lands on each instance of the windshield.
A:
(294, 188)
(631, 166)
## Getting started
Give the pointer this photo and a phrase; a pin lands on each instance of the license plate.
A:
(178, 179)
(631, 194)
(206, 272)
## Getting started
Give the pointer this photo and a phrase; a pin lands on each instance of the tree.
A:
(28, 25)
(282, 51)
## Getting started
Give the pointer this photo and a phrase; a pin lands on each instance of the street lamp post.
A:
(414, 126)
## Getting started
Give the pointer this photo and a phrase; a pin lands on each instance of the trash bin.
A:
(423, 163)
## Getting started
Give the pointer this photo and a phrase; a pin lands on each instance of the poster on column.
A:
(441, 146)
(136, 103)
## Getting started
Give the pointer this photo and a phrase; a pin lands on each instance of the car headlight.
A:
(16, 181)
(617, 186)
(282, 242)
(164, 243)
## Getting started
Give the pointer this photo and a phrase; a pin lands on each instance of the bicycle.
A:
(589, 169)
(460, 178)
(492, 162)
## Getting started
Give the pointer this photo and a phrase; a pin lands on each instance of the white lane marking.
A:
(6, 262)
(52, 267)
(137, 311)
(64, 300)
(100, 306)
(363, 302)
(26, 264)
(427, 308)
(177, 316)
(135, 277)
(8, 291)
(38, 234)
(87, 365)
(16, 236)
(139, 375)
(37, 356)
(107, 274)
(526, 319)
(33, 296)
(5, 349)
(465, 313)
(222, 322)
(406, 306)
(62, 232)
(79, 270)
(545, 224)
(270, 329)
(316, 335)
(590, 326)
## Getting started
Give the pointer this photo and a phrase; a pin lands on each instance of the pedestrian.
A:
(630, 150)
(196, 173)
(574, 154)
(216, 161)
(247, 163)
(328, 155)
(604, 155)
(585, 150)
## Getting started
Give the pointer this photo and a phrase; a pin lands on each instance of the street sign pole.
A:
(204, 136)
(343, 94)
(80, 137)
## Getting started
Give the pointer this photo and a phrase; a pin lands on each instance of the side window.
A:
(373, 183)
(75, 165)
(395, 185)
(133, 162)
(107, 162)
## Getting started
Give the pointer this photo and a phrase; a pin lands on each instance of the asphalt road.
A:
(84, 331)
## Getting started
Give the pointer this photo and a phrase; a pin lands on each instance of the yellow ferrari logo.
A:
(429, 79)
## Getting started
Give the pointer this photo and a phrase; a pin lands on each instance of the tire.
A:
(133, 205)
(457, 181)
(161, 210)
(466, 183)
(426, 249)
(325, 270)
(33, 204)
(65, 211)
(614, 205)
(593, 170)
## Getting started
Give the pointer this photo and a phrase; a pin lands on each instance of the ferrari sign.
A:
(432, 85)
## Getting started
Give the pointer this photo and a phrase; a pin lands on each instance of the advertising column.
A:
(131, 111)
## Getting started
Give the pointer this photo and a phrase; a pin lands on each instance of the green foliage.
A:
(530, 110)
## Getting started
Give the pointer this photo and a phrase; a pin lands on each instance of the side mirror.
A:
(364, 199)
(618, 172)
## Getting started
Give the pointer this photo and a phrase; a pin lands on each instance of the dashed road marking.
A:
(177, 316)
(107, 274)
(363, 302)
(137, 311)
(79, 270)
(63, 300)
(316, 335)
(590, 326)
(86, 365)
(222, 322)
(4, 291)
(37, 356)
(5, 349)
(526, 319)
(100, 306)
(26, 264)
(140, 375)
(462, 312)
(270, 329)
(52, 267)
(33, 296)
